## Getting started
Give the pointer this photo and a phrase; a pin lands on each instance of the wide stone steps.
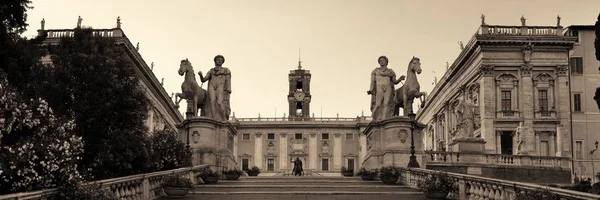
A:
(313, 188)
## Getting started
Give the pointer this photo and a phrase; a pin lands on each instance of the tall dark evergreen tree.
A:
(93, 81)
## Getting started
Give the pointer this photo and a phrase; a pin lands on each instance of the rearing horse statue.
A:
(410, 90)
(190, 88)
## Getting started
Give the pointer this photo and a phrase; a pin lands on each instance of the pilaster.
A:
(526, 106)
(337, 151)
(563, 135)
(312, 151)
(362, 148)
(283, 151)
(258, 151)
(487, 107)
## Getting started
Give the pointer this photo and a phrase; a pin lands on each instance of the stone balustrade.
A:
(141, 186)
(59, 33)
(521, 30)
(323, 120)
(476, 187)
(444, 157)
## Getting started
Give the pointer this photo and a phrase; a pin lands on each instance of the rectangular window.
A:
(577, 102)
(349, 136)
(246, 136)
(270, 165)
(271, 136)
(325, 164)
(351, 163)
(576, 65)
(325, 136)
(578, 149)
(506, 101)
(543, 99)
(245, 164)
(298, 136)
(544, 148)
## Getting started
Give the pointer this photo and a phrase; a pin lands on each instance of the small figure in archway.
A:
(297, 167)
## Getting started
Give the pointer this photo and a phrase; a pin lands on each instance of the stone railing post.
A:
(145, 188)
(462, 189)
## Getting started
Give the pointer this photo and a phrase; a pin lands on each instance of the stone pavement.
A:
(301, 188)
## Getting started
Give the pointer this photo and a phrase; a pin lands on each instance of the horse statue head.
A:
(184, 67)
(415, 65)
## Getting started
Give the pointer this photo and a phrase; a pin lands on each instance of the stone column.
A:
(337, 151)
(283, 152)
(498, 142)
(537, 143)
(312, 151)
(487, 108)
(363, 147)
(563, 109)
(552, 148)
(258, 153)
(235, 150)
(527, 107)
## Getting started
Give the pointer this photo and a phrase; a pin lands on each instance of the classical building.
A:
(162, 113)
(508, 88)
(324, 145)
(584, 80)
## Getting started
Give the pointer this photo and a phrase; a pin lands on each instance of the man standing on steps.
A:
(297, 167)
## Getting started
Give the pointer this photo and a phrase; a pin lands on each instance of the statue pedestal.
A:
(464, 144)
(212, 142)
(388, 143)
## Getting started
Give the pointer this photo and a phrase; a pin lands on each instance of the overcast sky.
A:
(340, 40)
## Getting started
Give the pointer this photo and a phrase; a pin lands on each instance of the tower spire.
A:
(299, 61)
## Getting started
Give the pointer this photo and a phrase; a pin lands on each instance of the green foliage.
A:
(177, 181)
(536, 195)
(390, 172)
(79, 191)
(168, 152)
(253, 169)
(37, 149)
(366, 172)
(439, 182)
(94, 82)
(13, 16)
(207, 172)
(234, 171)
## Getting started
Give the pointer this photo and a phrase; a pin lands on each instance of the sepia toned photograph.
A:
(299, 100)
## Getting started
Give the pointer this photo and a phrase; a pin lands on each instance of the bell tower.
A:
(299, 94)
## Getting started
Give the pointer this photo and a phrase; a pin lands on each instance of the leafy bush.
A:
(37, 149)
(365, 172)
(79, 191)
(438, 181)
(234, 171)
(536, 195)
(390, 172)
(207, 172)
(344, 169)
(177, 181)
(253, 169)
(168, 152)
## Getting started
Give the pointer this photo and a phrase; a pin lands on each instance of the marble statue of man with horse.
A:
(214, 102)
(385, 101)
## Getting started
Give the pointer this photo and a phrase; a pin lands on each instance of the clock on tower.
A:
(299, 94)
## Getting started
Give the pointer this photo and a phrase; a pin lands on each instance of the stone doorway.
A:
(506, 142)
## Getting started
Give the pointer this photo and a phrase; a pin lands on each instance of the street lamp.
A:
(412, 163)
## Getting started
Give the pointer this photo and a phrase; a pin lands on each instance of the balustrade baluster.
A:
(486, 190)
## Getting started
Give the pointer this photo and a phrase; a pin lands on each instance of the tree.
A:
(37, 149)
(597, 41)
(17, 54)
(94, 82)
(168, 152)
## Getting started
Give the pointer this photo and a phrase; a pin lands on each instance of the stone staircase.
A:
(306, 187)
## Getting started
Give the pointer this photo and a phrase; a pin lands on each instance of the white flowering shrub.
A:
(37, 150)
